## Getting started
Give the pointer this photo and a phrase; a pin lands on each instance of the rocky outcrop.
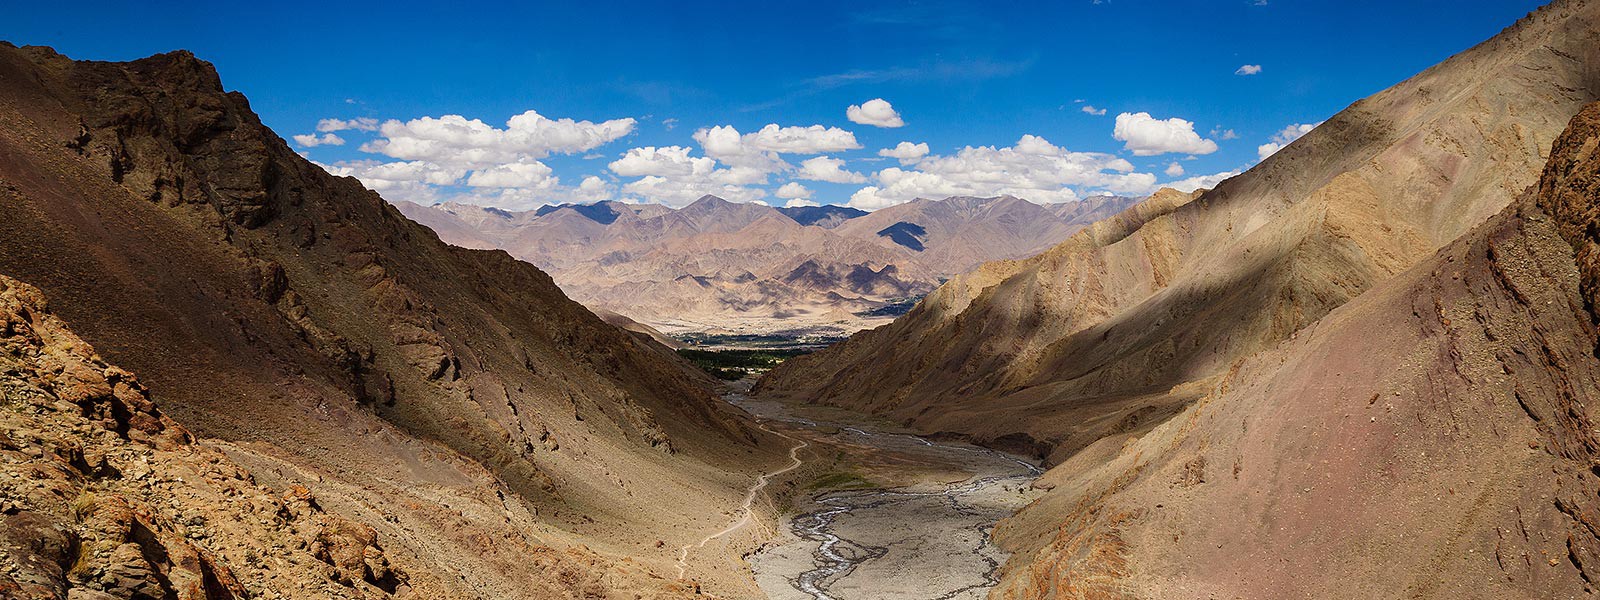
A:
(1433, 438)
(454, 401)
(103, 496)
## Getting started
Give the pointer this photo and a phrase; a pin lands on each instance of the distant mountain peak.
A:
(604, 213)
(827, 215)
(906, 233)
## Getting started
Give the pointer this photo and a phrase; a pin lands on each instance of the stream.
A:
(925, 541)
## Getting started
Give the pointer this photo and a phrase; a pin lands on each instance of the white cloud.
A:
(594, 189)
(311, 140)
(1033, 169)
(670, 175)
(761, 149)
(799, 202)
(1089, 108)
(876, 112)
(415, 181)
(1283, 137)
(906, 152)
(823, 168)
(815, 139)
(376, 174)
(1248, 70)
(1199, 181)
(669, 161)
(1174, 170)
(532, 174)
(359, 124)
(1148, 136)
(454, 139)
(794, 191)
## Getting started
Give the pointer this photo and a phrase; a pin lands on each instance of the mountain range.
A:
(1365, 367)
(721, 267)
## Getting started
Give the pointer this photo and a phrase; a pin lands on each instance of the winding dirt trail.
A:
(749, 500)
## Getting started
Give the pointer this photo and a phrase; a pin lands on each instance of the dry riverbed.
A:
(895, 516)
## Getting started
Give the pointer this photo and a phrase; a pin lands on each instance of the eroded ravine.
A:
(925, 540)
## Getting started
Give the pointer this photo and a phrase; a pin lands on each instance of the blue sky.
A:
(997, 93)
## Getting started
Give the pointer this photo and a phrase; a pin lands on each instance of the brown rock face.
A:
(102, 496)
(452, 402)
(1432, 438)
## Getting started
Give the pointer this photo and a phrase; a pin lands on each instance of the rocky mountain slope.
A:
(1117, 328)
(719, 267)
(453, 406)
(1432, 438)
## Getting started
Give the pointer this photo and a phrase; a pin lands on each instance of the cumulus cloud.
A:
(670, 175)
(794, 191)
(669, 161)
(815, 139)
(532, 174)
(876, 112)
(1090, 109)
(906, 152)
(799, 202)
(1248, 70)
(1174, 170)
(761, 150)
(1283, 137)
(1148, 136)
(359, 124)
(1033, 169)
(466, 160)
(732, 162)
(311, 140)
(415, 181)
(457, 140)
(594, 189)
(823, 168)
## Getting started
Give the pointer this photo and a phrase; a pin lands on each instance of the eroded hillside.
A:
(1432, 438)
(454, 401)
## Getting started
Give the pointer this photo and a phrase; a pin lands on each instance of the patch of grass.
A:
(736, 364)
(84, 506)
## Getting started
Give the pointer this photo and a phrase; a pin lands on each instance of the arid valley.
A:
(906, 300)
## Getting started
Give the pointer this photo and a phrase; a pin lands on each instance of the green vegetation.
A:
(736, 364)
(783, 340)
(893, 309)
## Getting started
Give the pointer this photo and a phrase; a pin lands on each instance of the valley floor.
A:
(872, 512)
